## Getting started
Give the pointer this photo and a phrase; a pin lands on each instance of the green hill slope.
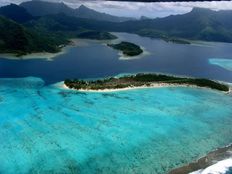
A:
(14, 38)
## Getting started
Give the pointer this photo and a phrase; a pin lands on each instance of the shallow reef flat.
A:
(45, 129)
(223, 63)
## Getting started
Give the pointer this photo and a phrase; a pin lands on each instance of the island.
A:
(22, 32)
(97, 35)
(127, 48)
(155, 34)
(143, 80)
(18, 40)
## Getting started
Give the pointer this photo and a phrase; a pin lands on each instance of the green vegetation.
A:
(141, 80)
(152, 33)
(15, 38)
(43, 8)
(179, 41)
(205, 25)
(161, 35)
(48, 27)
(199, 24)
(127, 48)
(98, 35)
(43, 35)
(15, 13)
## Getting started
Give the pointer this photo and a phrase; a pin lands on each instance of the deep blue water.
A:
(97, 60)
(46, 129)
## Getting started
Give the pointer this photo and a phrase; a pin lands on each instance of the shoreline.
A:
(153, 85)
(42, 55)
(219, 155)
(144, 80)
(211, 158)
(140, 56)
(122, 56)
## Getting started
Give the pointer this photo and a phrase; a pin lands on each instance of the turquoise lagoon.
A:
(47, 129)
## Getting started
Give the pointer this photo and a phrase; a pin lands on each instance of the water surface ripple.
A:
(44, 129)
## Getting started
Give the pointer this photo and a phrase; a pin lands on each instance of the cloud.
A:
(137, 9)
(158, 9)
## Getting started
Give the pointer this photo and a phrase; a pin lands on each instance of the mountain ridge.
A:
(15, 13)
(43, 8)
(212, 26)
(17, 39)
(48, 32)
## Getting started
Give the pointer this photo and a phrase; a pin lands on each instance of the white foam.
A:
(220, 167)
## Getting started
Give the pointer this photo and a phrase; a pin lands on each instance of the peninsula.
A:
(127, 48)
(142, 80)
(96, 35)
(161, 35)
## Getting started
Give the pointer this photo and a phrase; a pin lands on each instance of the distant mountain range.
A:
(42, 8)
(54, 23)
(199, 24)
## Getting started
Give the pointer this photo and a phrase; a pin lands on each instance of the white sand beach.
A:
(45, 55)
(125, 57)
(153, 85)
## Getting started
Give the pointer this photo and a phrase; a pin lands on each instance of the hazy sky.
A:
(138, 9)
